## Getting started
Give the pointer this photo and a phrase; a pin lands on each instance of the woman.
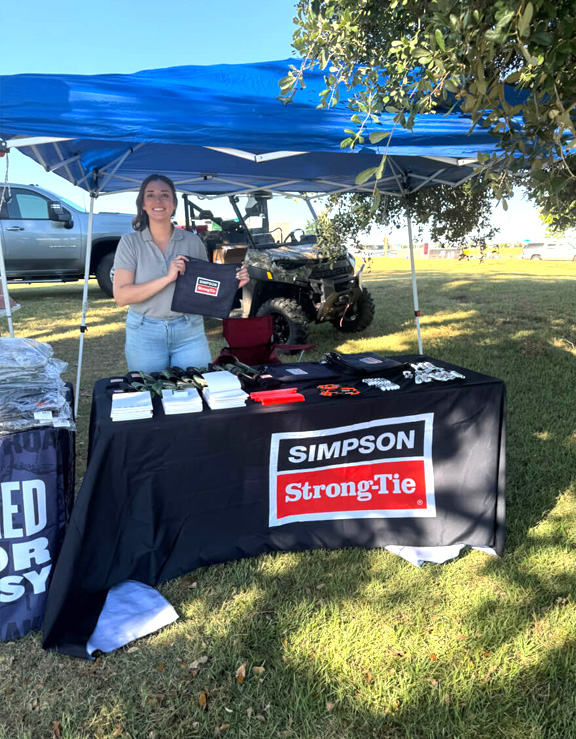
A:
(146, 266)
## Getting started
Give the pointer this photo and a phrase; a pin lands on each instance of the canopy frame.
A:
(207, 139)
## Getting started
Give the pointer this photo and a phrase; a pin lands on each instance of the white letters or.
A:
(26, 552)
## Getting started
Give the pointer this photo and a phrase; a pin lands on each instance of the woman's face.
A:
(158, 202)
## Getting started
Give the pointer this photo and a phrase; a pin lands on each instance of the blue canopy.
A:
(219, 130)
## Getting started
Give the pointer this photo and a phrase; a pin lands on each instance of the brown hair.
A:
(140, 222)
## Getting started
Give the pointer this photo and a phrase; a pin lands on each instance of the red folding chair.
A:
(250, 340)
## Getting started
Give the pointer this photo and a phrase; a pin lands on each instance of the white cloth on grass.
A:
(131, 610)
(437, 555)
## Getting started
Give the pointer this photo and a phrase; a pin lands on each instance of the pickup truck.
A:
(558, 249)
(44, 237)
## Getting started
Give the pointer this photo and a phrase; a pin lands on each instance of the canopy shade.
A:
(218, 130)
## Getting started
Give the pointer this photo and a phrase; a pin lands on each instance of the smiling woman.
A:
(146, 266)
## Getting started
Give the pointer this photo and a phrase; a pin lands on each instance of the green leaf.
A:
(512, 78)
(377, 136)
(505, 19)
(365, 175)
(531, 60)
(439, 39)
(542, 37)
(380, 170)
(525, 18)
(496, 35)
(286, 83)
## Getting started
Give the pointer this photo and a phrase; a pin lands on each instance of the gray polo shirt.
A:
(138, 253)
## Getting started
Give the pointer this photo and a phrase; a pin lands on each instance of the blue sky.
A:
(125, 36)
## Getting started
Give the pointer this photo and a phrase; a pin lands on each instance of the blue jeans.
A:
(153, 344)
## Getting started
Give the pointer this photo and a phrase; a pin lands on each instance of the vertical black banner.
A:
(36, 489)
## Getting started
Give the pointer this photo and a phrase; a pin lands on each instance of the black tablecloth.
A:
(421, 466)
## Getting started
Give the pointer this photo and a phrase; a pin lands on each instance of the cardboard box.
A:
(229, 254)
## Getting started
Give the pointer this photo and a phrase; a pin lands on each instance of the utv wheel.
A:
(104, 273)
(358, 316)
(290, 322)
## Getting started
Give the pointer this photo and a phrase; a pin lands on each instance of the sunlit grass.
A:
(354, 643)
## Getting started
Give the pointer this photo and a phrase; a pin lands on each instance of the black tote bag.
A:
(205, 289)
(362, 364)
(301, 372)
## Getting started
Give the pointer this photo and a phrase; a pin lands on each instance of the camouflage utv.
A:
(291, 280)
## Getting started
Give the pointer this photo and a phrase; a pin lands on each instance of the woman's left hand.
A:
(242, 276)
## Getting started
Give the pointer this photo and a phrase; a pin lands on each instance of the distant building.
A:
(280, 230)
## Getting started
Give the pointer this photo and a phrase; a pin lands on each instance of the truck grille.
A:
(341, 268)
(291, 264)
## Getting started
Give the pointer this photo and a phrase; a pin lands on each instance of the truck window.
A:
(29, 206)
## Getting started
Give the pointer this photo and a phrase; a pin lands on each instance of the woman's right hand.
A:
(177, 267)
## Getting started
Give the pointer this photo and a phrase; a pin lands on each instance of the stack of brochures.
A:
(187, 400)
(223, 390)
(129, 406)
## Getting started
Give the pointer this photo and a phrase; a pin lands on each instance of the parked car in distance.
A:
(558, 249)
(44, 237)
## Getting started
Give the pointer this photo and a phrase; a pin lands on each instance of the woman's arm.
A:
(127, 292)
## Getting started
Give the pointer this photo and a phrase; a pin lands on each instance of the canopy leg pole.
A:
(311, 208)
(414, 284)
(83, 327)
(5, 289)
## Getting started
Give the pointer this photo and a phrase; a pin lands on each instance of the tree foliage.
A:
(408, 57)
(452, 215)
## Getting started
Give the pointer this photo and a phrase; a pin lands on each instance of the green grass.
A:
(355, 643)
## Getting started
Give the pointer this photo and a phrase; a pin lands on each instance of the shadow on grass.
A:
(358, 643)
(361, 644)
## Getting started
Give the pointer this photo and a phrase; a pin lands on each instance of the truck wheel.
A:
(536, 256)
(104, 273)
(358, 316)
(290, 322)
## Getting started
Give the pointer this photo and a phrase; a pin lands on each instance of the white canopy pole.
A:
(5, 288)
(414, 285)
(2, 264)
(84, 300)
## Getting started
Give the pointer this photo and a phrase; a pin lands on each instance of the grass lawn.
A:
(354, 644)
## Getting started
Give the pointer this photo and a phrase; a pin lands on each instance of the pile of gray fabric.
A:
(32, 392)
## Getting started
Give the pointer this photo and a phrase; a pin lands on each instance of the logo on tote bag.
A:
(207, 287)
(379, 469)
